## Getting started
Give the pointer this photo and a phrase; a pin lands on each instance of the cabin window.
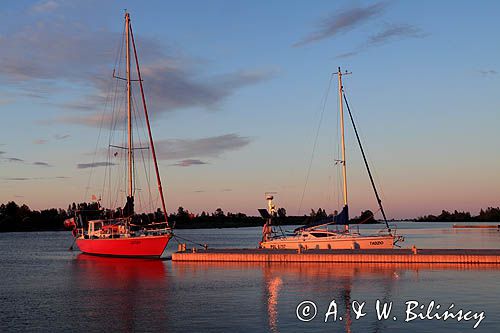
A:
(319, 234)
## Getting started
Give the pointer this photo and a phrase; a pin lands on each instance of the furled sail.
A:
(340, 219)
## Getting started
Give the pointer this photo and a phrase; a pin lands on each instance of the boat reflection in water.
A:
(112, 271)
(120, 294)
(285, 285)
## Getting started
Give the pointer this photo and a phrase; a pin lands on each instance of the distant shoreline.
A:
(15, 218)
(242, 225)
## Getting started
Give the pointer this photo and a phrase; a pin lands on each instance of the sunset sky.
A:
(235, 92)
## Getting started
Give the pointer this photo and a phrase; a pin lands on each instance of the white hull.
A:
(340, 241)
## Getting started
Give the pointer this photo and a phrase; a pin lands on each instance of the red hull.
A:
(142, 247)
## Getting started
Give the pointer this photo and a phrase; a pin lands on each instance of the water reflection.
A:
(121, 294)
(108, 271)
(334, 280)
(285, 285)
(273, 289)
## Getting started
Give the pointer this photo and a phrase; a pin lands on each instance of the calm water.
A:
(45, 287)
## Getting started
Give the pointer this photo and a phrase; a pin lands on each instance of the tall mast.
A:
(129, 109)
(341, 106)
(153, 152)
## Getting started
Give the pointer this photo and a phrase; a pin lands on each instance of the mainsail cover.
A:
(128, 210)
(339, 219)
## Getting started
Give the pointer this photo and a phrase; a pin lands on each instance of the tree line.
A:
(489, 214)
(21, 218)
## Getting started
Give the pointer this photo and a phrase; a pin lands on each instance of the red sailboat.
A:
(126, 235)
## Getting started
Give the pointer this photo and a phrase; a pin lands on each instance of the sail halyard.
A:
(150, 135)
(379, 201)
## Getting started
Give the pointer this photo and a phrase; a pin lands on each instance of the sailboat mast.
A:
(341, 107)
(151, 142)
(129, 109)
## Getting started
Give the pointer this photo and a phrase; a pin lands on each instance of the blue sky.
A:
(235, 93)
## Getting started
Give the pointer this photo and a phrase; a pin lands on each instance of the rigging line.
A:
(373, 166)
(118, 126)
(188, 240)
(369, 217)
(379, 201)
(134, 139)
(148, 179)
(123, 127)
(107, 173)
(315, 142)
(146, 116)
(118, 53)
(139, 124)
(101, 123)
(134, 115)
(115, 179)
(115, 111)
(121, 176)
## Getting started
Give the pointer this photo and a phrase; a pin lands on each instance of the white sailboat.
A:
(317, 235)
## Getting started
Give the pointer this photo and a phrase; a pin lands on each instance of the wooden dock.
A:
(410, 256)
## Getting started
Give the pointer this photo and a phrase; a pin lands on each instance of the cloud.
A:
(488, 72)
(19, 160)
(63, 50)
(348, 54)
(15, 159)
(71, 52)
(93, 165)
(40, 141)
(174, 88)
(32, 178)
(44, 6)
(390, 33)
(343, 21)
(168, 89)
(61, 136)
(45, 164)
(92, 120)
(395, 31)
(5, 101)
(175, 149)
(189, 162)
